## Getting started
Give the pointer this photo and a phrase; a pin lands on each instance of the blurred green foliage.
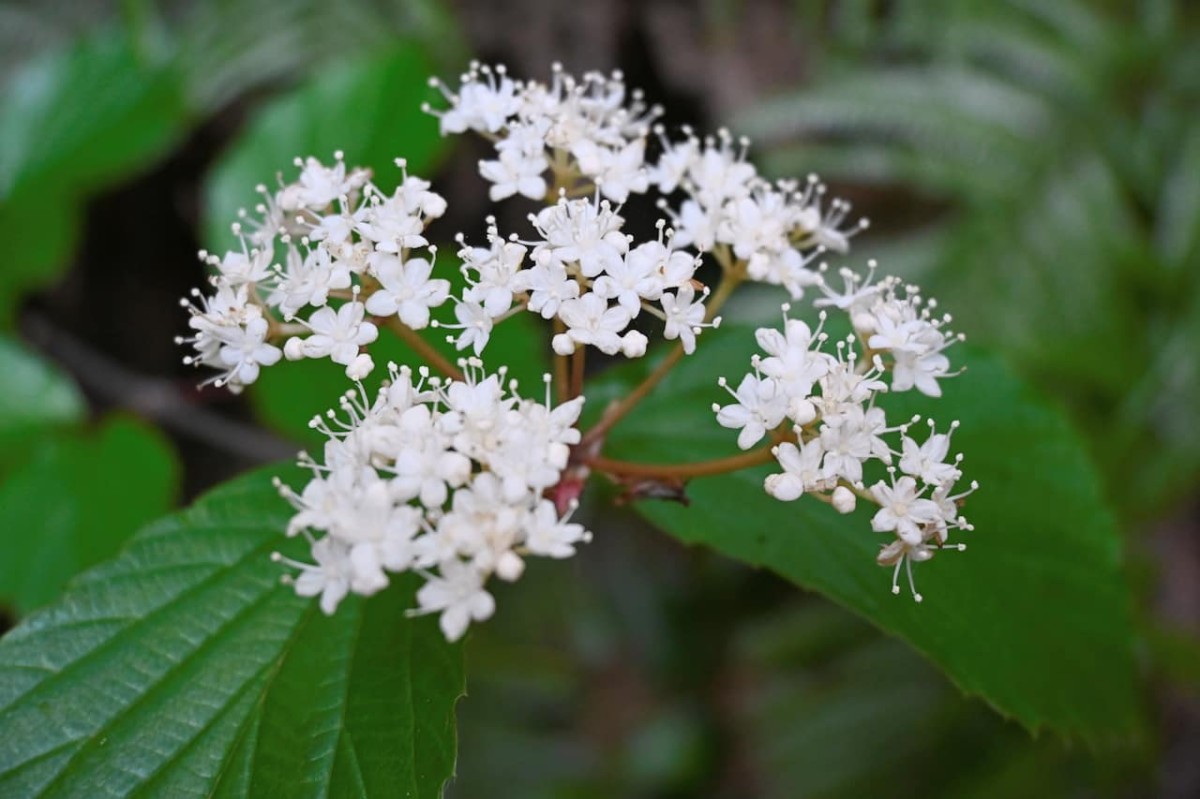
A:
(1052, 150)
(69, 496)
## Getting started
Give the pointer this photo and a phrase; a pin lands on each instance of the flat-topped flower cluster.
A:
(330, 236)
(444, 478)
(451, 476)
(821, 409)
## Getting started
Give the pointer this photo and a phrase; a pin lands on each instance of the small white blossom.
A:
(444, 479)
(336, 335)
(406, 289)
(760, 406)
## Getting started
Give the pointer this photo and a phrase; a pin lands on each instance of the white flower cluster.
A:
(584, 272)
(777, 229)
(450, 478)
(330, 236)
(442, 478)
(536, 126)
(821, 410)
(585, 134)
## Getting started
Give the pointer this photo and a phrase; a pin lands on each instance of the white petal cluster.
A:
(320, 261)
(583, 271)
(445, 479)
(820, 408)
(593, 121)
(777, 229)
(893, 319)
(594, 130)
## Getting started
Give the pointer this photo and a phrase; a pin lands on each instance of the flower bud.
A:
(293, 350)
(633, 345)
(563, 344)
(510, 566)
(360, 367)
(844, 500)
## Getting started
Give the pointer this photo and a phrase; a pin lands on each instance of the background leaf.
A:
(71, 121)
(1034, 617)
(35, 398)
(369, 109)
(75, 503)
(184, 668)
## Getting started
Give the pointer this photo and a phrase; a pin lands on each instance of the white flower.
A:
(802, 471)
(590, 320)
(851, 439)
(928, 461)
(244, 350)
(391, 223)
(307, 280)
(336, 334)
(330, 577)
(406, 289)
(674, 164)
(618, 173)
(695, 226)
(903, 510)
(319, 186)
(584, 233)
(515, 173)
(761, 406)
(459, 595)
(475, 323)
(497, 269)
(247, 266)
(548, 285)
(685, 316)
(720, 173)
(920, 369)
(548, 535)
(479, 105)
(631, 280)
(793, 359)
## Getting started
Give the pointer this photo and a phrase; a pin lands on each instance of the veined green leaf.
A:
(184, 668)
(75, 503)
(1034, 617)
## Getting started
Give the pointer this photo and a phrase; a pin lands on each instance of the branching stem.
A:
(735, 274)
(424, 348)
(682, 471)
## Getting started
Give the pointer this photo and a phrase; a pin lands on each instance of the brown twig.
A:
(682, 471)
(423, 348)
(161, 401)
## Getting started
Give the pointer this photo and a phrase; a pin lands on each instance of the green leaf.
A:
(230, 48)
(35, 397)
(75, 503)
(1034, 617)
(81, 116)
(369, 109)
(184, 668)
(70, 122)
